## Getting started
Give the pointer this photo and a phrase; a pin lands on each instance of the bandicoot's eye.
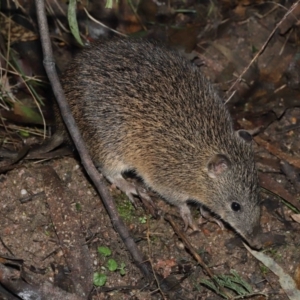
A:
(235, 206)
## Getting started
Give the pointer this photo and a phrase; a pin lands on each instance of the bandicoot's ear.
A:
(245, 135)
(218, 165)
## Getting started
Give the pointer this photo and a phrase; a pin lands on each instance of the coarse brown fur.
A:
(143, 107)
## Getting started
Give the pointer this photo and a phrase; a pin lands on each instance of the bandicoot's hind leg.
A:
(187, 218)
(121, 183)
(131, 190)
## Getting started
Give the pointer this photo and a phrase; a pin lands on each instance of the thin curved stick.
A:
(94, 175)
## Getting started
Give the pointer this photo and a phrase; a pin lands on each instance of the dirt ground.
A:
(50, 223)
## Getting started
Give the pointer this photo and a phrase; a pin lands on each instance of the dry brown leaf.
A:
(296, 217)
(285, 280)
(240, 11)
(165, 266)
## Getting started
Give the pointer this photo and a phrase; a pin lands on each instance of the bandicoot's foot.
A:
(207, 215)
(187, 218)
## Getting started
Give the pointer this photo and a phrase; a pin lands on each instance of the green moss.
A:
(125, 208)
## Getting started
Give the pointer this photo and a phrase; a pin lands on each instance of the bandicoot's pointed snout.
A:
(254, 239)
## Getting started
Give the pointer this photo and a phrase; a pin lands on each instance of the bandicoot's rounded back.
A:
(144, 107)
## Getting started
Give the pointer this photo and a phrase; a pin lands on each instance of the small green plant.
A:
(111, 265)
(233, 282)
(143, 220)
(125, 209)
(273, 253)
(122, 269)
(105, 251)
(264, 270)
(254, 49)
(78, 207)
(99, 279)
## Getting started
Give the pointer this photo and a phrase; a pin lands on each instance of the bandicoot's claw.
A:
(185, 214)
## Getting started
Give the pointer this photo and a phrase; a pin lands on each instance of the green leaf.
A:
(73, 21)
(122, 269)
(122, 272)
(254, 49)
(109, 4)
(212, 286)
(143, 220)
(105, 251)
(112, 265)
(27, 114)
(232, 282)
(99, 279)
(24, 133)
(78, 207)
(237, 279)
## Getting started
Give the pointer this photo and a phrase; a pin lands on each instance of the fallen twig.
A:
(94, 175)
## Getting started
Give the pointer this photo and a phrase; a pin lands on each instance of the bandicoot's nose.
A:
(256, 245)
(254, 239)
